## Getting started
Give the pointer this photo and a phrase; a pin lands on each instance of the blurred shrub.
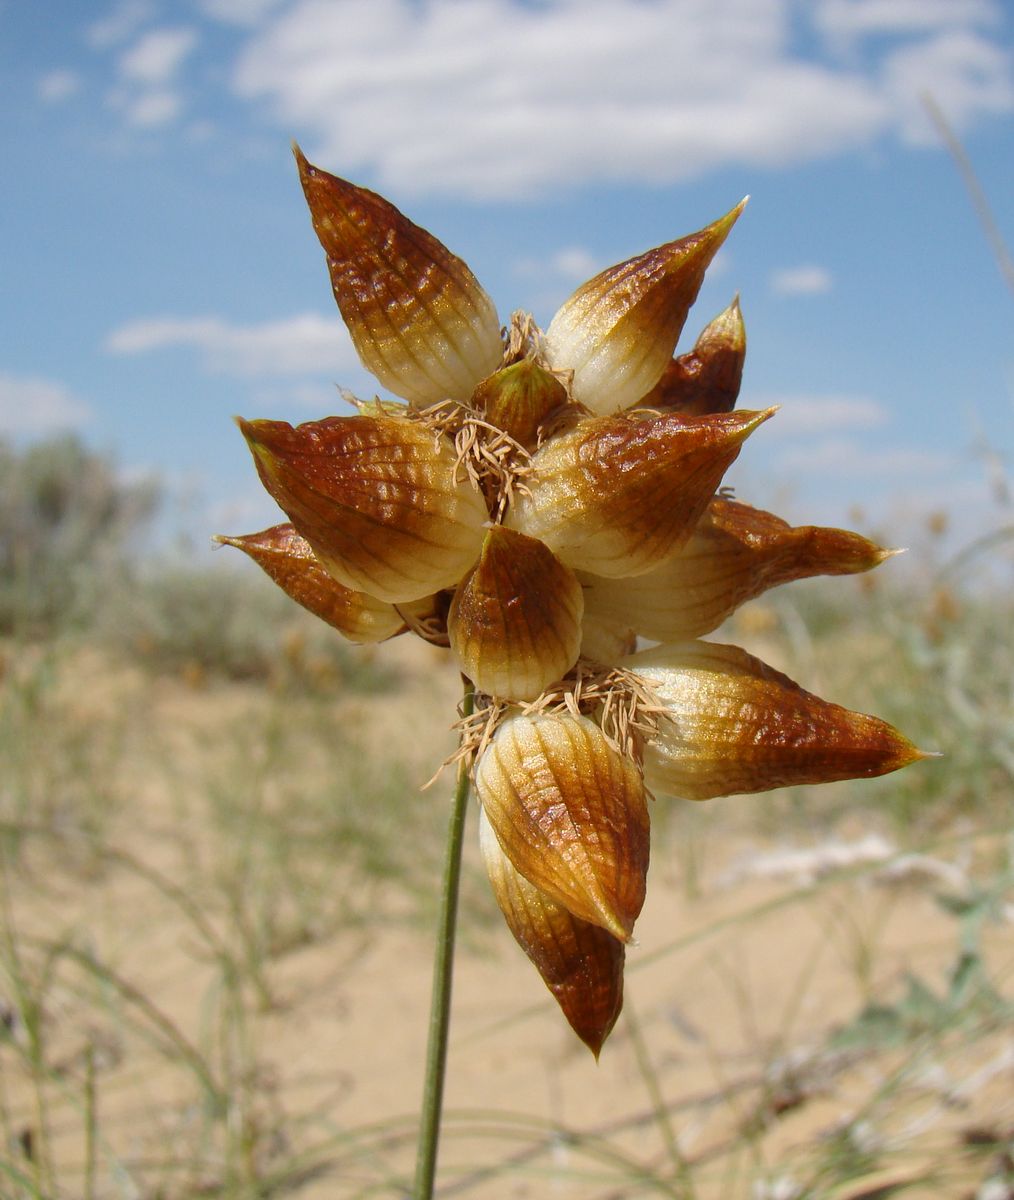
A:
(71, 560)
(208, 620)
(66, 521)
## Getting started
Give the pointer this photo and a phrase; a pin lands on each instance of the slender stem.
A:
(443, 969)
(662, 1116)
(91, 1123)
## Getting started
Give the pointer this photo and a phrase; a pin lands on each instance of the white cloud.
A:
(496, 98)
(848, 457)
(146, 94)
(201, 131)
(33, 405)
(147, 108)
(846, 20)
(574, 262)
(56, 86)
(156, 108)
(966, 76)
(302, 345)
(157, 56)
(152, 108)
(802, 415)
(119, 24)
(805, 280)
(571, 263)
(238, 12)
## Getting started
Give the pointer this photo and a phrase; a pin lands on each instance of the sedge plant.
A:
(541, 503)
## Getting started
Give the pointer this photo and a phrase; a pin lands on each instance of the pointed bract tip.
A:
(886, 553)
(726, 336)
(905, 752)
(303, 164)
(254, 431)
(225, 539)
(255, 444)
(732, 216)
(753, 421)
(594, 1045)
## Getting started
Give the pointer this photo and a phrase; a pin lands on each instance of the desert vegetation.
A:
(217, 874)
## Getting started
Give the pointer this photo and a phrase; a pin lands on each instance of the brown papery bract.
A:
(286, 557)
(617, 331)
(616, 496)
(580, 963)
(515, 621)
(733, 555)
(416, 314)
(378, 499)
(569, 811)
(737, 725)
(708, 378)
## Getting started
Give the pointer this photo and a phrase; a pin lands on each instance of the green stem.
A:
(440, 999)
(662, 1119)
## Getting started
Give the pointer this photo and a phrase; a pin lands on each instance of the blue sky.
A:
(159, 273)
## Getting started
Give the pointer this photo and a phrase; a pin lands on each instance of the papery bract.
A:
(735, 725)
(616, 497)
(708, 378)
(733, 555)
(569, 812)
(618, 330)
(581, 964)
(515, 621)
(418, 317)
(288, 560)
(519, 398)
(380, 500)
(605, 641)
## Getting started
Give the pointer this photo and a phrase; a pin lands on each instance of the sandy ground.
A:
(736, 993)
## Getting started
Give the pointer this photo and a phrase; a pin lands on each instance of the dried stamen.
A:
(492, 460)
(627, 710)
(523, 338)
(623, 705)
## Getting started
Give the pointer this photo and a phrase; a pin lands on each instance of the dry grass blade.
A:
(980, 201)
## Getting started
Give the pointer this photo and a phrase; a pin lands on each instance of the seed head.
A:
(536, 503)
